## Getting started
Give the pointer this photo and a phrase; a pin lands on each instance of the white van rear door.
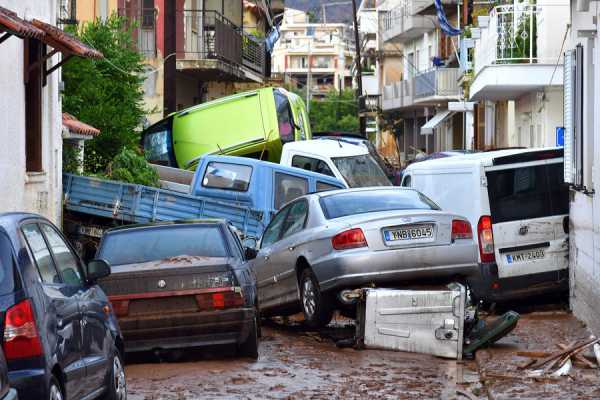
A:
(528, 205)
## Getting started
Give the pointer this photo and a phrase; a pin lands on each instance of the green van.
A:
(252, 124)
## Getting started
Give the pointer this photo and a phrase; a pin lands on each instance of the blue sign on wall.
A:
(560, 136)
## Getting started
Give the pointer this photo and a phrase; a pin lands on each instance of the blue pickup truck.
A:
(244, 191)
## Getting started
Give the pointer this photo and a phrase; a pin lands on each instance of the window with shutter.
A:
(573, 116)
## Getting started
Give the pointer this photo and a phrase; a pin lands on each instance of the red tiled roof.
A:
(64, 42)
(76, 126)
(11, 23)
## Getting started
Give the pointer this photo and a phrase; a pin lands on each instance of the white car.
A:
(518, 203)
(352, 163)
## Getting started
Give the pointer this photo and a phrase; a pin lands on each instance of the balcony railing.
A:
(200, 35)
(440, 82)
(398, 94)
(403, 23)
(510, 38)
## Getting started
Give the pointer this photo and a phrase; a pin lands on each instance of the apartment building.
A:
(582, 157)
(513, 61)
(219, 46)
(33, 50)
(420, 78)
(320, 54)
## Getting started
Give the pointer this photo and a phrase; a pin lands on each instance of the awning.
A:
(77, 127)
(65, 43)
(434, 122)
(11, 24)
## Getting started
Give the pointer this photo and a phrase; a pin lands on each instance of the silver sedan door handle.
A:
(266, 258)
(291, 248)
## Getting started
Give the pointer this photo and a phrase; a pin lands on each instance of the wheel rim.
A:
(309, 297)
(55, 393)
(119, 376)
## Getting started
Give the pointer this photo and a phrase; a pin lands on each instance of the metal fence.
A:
(200, 35)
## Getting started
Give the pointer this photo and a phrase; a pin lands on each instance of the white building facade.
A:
(321, 53)
(517, 76)
(31, 49)
(582, 158)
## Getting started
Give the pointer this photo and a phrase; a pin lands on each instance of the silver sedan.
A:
(320, 246)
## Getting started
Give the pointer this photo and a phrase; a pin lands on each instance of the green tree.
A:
(106, 93)
(337, 112)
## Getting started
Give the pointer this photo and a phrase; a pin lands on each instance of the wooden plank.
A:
(562, 354)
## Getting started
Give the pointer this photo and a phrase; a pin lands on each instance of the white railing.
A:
(398, 94)
(510, 38)
(438, 82)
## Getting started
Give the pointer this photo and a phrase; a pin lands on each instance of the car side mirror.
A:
(250, 253)
(97, 269)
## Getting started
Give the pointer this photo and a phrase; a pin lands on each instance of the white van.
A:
(518, 203)
(349, 162)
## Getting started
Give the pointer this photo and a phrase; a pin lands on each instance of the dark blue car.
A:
(61, 339)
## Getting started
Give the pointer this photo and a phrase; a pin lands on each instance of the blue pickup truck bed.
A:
(130, 203)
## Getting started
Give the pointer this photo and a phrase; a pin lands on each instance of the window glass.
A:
(157, 142)
(136, 246)
(361, 171)
(6, 265)
(41, 254)
(273, 231)
(311, 164)
(406, 181)
(322, 186)
(295, 219)
(227, 176)
(285, 120)
(65, 260)
(343, 204)
(527, 192)
(288, 188)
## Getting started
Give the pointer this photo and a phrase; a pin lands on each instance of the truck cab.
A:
(349, 162)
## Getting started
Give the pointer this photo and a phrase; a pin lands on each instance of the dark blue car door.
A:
(60, 321)
(93, 306)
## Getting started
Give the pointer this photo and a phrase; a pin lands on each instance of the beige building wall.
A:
(89, 10)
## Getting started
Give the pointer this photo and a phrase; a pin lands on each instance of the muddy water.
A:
(295, 364)
(538, 331)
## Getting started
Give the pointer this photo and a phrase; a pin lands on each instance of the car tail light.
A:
(21, 339)
(121, 307)
(349, 239)
(233, 297)
(461, 229)
(486, 239)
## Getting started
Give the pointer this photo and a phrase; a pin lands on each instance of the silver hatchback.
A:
(321, 245)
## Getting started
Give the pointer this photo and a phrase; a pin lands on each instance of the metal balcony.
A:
(201, 35)
(437, 84)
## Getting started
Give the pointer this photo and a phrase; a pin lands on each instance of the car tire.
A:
(55, 392)
(117, 385)
(316, 306)
(249, 347)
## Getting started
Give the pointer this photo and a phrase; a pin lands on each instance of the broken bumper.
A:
(150, 332)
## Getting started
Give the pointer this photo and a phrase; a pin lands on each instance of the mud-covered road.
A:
(296, 364)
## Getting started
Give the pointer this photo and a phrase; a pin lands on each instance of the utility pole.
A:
(358, 64)
(169, 86)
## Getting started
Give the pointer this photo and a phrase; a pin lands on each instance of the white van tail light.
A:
(21, 339)
(461, 229)
(486, 239)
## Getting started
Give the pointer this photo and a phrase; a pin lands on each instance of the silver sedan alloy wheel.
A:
(55, 393)
(309, 297)
(119, 379)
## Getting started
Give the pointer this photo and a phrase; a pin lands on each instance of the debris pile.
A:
(560, 363)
